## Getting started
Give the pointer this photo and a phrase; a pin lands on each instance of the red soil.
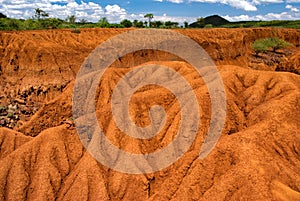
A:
(256, 158)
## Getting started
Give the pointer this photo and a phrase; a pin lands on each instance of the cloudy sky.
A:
(175, 10)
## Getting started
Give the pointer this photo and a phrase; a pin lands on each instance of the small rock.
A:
(2, 122)
(20, 101)
(10, 106)
(69, 123)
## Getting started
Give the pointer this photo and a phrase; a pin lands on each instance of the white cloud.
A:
(239, 4)
(84, 10)
(292, 8)
(176, 1)
(114, 13)
(293, 1)
(179, 19)
(269, 16)
(259, 2)
(247, 5)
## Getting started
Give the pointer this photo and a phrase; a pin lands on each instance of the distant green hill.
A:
(214, 20)
(218, 21)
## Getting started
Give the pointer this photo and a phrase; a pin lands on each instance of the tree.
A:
(157, 24)
(260, 46)
(277, 43)
(83, 21)
(186, 24)
(126, 23)
(170, 24)
(103, 22)
(44, 15)
(150, 17)
(2, 15)
(135, 23)
(71, 19)
(50, 23)
(138, 24)
(39, 13)
(201, 22)
(263, 45)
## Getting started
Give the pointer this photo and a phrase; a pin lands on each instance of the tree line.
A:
(41, 20)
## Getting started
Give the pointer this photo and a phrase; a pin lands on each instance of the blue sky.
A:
(175, 10)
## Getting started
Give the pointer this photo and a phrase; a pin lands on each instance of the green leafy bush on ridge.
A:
(262, 45)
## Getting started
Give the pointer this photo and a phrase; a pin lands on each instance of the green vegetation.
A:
(103, 22)
(76, 30)
(274, 23)
(186, 24)
(260, 46)
(265, 44)
(41, 20)
(71, 19)
(126, 23)
(150, 17)
(39, 13)
(208, 26)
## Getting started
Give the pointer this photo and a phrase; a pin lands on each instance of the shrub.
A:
(262, 45)
(277, 43)
(208, 26)
(77, 31)
(126, 23)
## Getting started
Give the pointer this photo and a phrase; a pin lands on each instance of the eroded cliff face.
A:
(256, 158)
(46, 61)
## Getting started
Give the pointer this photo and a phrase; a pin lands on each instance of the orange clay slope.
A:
(256, 158)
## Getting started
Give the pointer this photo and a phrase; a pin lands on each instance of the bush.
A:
(277, 43)
(126, 23)
(77, 31)
(262, 45)
(208, 26)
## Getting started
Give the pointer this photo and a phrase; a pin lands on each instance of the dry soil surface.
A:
(256, 158)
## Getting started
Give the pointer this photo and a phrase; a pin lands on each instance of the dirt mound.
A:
(256, 158)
